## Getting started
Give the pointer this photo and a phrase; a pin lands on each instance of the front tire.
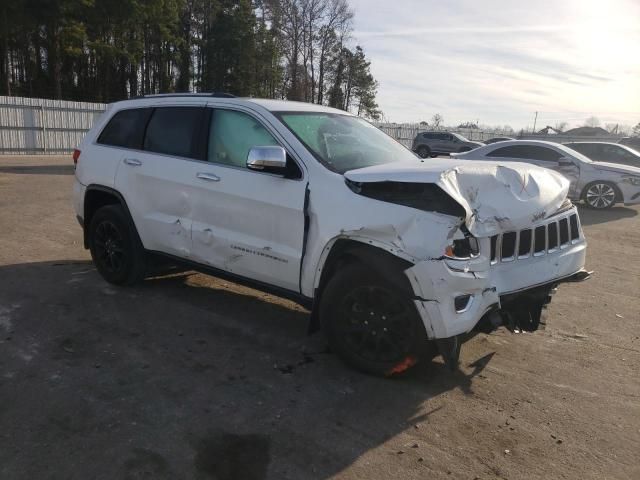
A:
(115, 247)
(600, 195)
(423, 151)
(370, 323)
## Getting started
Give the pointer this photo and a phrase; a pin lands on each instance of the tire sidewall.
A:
(424, 151)
(132, 256)
(344, 281)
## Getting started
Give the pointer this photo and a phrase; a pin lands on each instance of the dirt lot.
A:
(188, 377)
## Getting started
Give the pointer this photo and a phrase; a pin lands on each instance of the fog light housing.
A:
(462, 303)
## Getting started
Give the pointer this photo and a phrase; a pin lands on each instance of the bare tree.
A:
(592, 122)
(312, 30)
(611, 128)
(437, 120)
(561, 126)
(337, 24)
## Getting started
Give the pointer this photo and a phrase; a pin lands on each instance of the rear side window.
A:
(532, 152)
(175, 131)
(584, 148)
(126, 128)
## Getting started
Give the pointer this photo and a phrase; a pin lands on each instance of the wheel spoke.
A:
(375, 323)
(600, 195)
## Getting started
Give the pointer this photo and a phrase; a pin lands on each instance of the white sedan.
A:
(600, 184)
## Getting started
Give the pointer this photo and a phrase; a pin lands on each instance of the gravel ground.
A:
(186, 376)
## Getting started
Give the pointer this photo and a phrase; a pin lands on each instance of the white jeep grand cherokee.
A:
(316, 205)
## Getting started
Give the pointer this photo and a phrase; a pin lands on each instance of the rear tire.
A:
(115, 247)
(600, 195)
(370, 323)
(423, 151)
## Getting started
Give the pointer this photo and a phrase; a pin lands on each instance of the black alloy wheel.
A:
(370, 323)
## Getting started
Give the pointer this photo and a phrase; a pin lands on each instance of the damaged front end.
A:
(515, 239)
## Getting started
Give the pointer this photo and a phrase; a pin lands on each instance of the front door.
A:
(246, 222)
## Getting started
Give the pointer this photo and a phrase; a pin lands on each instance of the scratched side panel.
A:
(158, 193)
(250, 224)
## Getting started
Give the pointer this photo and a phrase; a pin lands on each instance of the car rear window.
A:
(174, 131)
(126, 128)
(587, 149)
(532, 152)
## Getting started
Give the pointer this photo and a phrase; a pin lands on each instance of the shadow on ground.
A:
(184, 377)
(589, 216)
(38, 169)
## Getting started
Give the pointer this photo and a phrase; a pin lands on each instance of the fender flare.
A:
(121, 200)
(386, 260)
(362, 242)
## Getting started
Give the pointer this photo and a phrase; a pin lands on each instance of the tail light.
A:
(76, 156)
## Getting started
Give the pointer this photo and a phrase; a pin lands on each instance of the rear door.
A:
(246, 222)
(440, 143)
(157, 179)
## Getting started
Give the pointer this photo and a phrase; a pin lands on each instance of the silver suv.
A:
(431, 144)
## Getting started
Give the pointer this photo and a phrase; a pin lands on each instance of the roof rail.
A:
(189, 94)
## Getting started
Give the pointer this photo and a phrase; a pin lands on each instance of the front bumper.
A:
(436, 286)
(630, 193)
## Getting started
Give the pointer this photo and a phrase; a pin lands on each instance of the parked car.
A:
(600, 184)
(319, 206)
(431, 144)
(497, 139)
(633, 142)
(607, 152)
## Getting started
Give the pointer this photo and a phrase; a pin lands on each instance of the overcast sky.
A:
(499, 61)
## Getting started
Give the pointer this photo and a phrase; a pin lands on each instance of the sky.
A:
(498, 62)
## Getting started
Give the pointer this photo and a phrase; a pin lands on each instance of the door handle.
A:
(209, 177)
(134, 162)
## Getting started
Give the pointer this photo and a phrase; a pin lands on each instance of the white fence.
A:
(36, 126)
(406, 132)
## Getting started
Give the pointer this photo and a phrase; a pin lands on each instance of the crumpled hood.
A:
(496, 197)
(616, 167)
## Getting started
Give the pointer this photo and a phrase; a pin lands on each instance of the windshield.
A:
(343, 143)
(460, 137)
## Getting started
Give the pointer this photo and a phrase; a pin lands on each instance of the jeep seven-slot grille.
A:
(539, 241)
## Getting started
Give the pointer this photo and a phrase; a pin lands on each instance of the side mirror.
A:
(267, 159)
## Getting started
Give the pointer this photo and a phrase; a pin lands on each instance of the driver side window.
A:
(232, 134)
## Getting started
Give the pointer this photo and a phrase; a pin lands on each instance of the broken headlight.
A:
(463, 248)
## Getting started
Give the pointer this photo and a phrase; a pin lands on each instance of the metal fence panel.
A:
(35, 126)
